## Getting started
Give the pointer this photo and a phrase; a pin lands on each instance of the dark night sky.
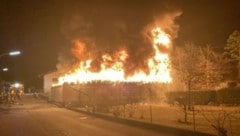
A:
(35, 27)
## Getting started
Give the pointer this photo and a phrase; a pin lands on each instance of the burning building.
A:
(99, 94)
(116, 56)
(109, 84)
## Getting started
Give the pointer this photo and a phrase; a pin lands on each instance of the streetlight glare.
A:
(16, 85)
(5, 69)
(14, 53)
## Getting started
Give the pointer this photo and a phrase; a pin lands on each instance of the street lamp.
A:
(12, 53)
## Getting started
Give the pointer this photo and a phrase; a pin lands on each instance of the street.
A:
(36, 117)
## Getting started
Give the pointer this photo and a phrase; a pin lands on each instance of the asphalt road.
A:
(38, 118)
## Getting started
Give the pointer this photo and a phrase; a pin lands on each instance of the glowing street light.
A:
(5, 69)
(16, 85)
(12, 53)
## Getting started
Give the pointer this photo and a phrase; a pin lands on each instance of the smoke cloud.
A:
(95, 28)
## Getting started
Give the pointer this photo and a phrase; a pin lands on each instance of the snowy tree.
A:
(185, 63)
(198, 68)
(211, 67)
(232, 51)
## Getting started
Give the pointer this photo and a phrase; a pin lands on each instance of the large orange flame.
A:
(111, 69)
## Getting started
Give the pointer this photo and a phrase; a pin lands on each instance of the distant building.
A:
(49, 79)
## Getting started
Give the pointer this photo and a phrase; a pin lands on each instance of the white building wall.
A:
(48, 80)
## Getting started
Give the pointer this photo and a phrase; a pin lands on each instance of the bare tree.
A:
(185, 63)
(221, 120)
(199, 68)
